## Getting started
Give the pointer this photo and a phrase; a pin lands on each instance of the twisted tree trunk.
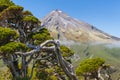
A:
(66, 66)
(16, 72)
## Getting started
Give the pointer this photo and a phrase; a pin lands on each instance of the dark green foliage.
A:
(44, 30)
(14, 15)
(41, 36)
(12, 47)
(30, 22)
(3, 6)
(42, 75)
(66, 52)
(89, 66)
(111, 54)
(49, 73)
(14, 7)
(12, 11)
(18, 28)
(7, 2)
(52, 72)
(30, 19)
(6, 34)
(27, 13)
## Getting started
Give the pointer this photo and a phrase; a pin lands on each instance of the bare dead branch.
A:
(66, 66)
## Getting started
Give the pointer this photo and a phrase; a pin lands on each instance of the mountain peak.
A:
(64, 27)
(57, 10)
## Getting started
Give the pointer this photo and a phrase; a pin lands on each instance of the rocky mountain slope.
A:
(66, 28)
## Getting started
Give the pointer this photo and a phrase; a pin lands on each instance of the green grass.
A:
(1, 64)
(110, 54)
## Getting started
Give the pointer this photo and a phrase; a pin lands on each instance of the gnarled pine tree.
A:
(22, 43)
(93, 68)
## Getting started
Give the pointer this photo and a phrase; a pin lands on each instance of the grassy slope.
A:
(111, 55)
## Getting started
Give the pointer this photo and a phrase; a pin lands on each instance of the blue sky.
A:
(104, 14)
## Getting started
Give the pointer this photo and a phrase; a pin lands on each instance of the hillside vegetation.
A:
(111, 54)
(28, 52)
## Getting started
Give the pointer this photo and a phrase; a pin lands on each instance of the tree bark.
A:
(65, 66)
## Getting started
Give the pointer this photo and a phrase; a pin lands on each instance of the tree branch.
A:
(66, 66)
(1, 57)
(63, 64)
